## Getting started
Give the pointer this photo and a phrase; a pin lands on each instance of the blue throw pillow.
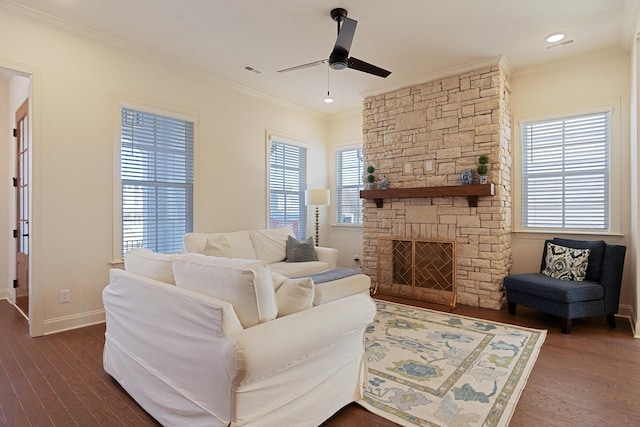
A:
(298, 251)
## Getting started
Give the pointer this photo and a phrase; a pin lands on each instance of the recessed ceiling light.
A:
(555, 37)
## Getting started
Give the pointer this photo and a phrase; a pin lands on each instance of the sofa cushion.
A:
(217, 246)
(300, 251)
(270, 245)
(596, 257)
(566, 263)
(239, 243)
(244, 283)
(293, 295)
(542, 286)
(292, 269)
(150, 264)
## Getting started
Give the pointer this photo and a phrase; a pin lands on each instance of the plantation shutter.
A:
(287, 183)
(565, 173)
(156, 163)
(349, 182)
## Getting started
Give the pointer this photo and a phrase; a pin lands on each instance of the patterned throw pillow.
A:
(566, 263)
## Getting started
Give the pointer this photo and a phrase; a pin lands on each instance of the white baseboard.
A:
(625, 310)
(4, 294)
(65, 323)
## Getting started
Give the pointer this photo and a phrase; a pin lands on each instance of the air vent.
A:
(562, 43)
(250, 69)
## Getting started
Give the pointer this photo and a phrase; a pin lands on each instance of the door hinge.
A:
(15, 133)
(15, 234)
(15, 283)
(15, 181)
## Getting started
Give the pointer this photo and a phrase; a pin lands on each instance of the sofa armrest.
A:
(168, 336)
(298, 339)
(611, 278)
(328, 255)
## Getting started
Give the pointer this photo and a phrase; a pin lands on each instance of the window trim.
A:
(298, 142)
(336, 150)
(612, 106)
(118, 105)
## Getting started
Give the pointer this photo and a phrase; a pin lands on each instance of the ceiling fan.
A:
(339, 58)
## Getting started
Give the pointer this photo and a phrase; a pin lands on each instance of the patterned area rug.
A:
(429, 368)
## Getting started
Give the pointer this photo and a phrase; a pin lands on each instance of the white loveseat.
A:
(191, 357)
(268, 245)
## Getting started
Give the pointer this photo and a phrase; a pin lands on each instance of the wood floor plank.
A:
(42, 378)
(85, 385)
(91, 364)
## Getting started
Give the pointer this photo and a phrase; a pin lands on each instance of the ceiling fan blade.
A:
(300, 67)
(356, 64)
(345, 35)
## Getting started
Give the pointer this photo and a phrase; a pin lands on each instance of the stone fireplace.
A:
(425, 136)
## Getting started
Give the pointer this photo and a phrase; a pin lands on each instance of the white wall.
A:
(588, 82)
(76, 91)
(345, 130)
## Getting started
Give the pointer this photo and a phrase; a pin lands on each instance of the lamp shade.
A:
(317, 197)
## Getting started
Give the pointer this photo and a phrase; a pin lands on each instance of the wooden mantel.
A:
(471, 192)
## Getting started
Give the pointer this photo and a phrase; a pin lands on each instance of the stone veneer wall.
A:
(450, 122)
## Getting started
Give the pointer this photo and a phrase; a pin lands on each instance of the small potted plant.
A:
(482, 168)
(371, 179)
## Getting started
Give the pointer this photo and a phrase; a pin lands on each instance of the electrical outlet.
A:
(65, 295)
(407, 168)
(428, 165)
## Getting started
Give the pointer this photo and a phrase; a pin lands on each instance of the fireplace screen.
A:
(416, 268)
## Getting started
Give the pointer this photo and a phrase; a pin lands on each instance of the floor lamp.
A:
(317, 198)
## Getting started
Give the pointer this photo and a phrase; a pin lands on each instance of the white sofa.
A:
(269, 246)
(191, 358)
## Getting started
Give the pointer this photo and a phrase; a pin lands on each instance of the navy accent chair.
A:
(597, 295)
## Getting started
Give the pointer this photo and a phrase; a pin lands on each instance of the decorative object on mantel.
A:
(317, 198)
(471, 192)
(482, 168)
(466, 177)
(371, 179)
(384, 183)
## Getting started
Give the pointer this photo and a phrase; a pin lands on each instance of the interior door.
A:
(21, 184)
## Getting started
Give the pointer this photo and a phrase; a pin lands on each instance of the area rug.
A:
(430, 368)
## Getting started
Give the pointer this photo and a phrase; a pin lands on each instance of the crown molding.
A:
(449, 72)
(575, 59)
(51, 22)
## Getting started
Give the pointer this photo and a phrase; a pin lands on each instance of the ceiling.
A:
(417, 40)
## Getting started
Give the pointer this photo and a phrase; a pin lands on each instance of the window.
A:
(156, 171)
(565, 173)
(349, 173)
(287, 182)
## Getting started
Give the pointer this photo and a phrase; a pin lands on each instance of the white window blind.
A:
(349, 182)
(156, 171)
(287, 182)
(565, 173)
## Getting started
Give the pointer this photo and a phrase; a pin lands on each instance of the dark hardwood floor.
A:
(588, 378)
